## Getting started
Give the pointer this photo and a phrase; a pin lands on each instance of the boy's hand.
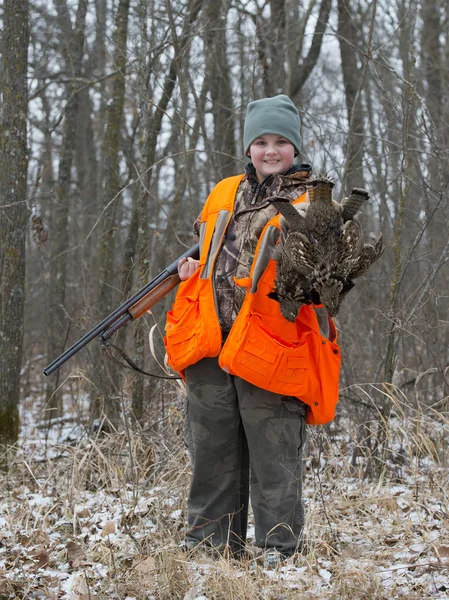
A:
(187, 267)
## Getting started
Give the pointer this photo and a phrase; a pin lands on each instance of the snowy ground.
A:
(86, 516)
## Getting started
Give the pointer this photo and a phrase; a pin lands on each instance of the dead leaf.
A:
(145, 565)
(47, 594)
(443, 552)
(146, 568)
(417, 548)
(391, 541)
(108, 528)
(42, 557)
(41, 538)
(193, 593)
(127, 590)
(83, 513)
(351, 552)
(78, 587)
(75, 554)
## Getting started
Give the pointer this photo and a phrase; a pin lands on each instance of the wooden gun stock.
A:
(160, 291)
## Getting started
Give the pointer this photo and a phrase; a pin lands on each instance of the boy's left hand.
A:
(187, 267)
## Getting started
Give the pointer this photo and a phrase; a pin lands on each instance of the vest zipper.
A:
(259, 187)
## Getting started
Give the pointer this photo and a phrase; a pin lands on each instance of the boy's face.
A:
(271, 154)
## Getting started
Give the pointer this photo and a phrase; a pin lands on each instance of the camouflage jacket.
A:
(252, 211)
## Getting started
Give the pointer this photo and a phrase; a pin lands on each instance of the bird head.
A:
(330, 291)
(289, 310)
(289, 302)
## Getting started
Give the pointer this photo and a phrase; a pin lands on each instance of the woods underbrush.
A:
(86, 514)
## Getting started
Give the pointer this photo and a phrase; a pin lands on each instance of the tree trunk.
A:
(219, 84)
(352, 76)
(58, 323)
(303, 69)
(438, 169)
(105, 376)
(275, 76)
(13, 210)
(100, 70)
(437, 131)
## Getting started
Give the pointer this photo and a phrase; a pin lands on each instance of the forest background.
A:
(118, 117)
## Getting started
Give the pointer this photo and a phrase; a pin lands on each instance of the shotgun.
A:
(132, 309)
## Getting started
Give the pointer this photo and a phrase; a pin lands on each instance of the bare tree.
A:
(13, 209)
(220, 86)
(303, 64)
(106, 392)
(354, 79)
(72, 45)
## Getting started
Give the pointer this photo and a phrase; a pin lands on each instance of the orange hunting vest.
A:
(291, 359)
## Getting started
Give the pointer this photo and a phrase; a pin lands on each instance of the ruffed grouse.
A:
(321, 249)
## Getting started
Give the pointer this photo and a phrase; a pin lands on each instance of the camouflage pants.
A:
(230, 425)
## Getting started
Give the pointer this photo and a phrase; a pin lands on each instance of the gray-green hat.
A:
(276, 115)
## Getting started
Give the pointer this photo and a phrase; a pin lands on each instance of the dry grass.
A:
(102, 516)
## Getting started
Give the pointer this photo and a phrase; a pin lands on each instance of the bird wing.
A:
(291, 288)
(293, 217)
(299, 250)
(366, 258)
(352, 239)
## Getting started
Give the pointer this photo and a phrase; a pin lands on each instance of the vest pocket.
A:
(271, 362)
(292, 429)
(295, 368)
(181, 340)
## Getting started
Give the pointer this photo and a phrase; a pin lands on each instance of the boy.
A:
(252, 377)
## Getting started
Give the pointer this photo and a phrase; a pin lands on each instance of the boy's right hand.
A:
(187, 267)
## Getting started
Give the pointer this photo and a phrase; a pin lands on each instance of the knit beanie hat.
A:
(276, 115)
